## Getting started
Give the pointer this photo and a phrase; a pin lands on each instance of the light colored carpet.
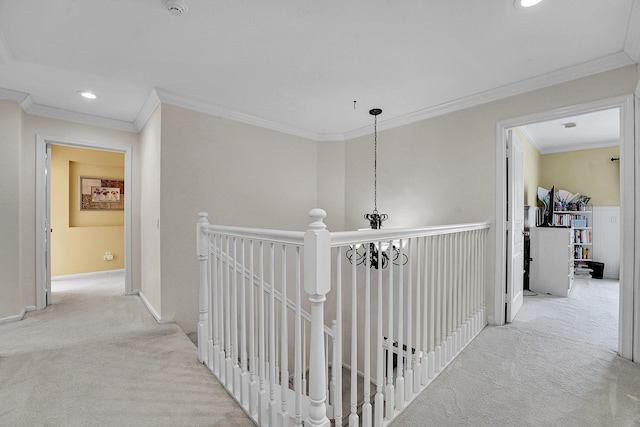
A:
(98, 358)
(556, 365)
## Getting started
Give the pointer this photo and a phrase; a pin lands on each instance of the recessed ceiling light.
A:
(87, 94)
(520, 4)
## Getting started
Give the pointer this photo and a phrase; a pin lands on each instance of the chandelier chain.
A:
(375, 164)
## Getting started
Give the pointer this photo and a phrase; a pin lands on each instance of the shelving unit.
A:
(580, 223)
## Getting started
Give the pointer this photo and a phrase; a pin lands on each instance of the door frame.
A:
(43, 191)
(628, 230)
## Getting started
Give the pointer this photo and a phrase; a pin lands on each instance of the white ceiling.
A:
(298, 65)
(591, 130)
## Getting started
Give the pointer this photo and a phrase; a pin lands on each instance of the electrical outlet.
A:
(108, 256)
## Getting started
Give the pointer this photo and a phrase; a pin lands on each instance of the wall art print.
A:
(97, 194)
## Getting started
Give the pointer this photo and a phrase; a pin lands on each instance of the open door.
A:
(515, 226)
(47, 226)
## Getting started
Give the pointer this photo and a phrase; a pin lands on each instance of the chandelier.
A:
(376, 255)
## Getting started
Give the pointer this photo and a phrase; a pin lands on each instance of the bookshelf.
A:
(580, 223)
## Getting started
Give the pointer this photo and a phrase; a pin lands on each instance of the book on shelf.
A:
(581, 236)
(581, 253)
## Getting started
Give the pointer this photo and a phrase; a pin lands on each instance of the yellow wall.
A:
(531, 170)
(80, 238)
(589, 172)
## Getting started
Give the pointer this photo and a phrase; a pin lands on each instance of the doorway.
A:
(43, 211)
(87, 212)
(627, 206)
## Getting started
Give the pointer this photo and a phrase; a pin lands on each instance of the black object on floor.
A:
(598, 270)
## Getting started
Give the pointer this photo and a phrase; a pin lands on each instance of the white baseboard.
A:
(18, 317)
(152, 310)
(82, 275)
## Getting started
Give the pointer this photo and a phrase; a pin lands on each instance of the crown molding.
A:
(331, 137)
(215, 110)
(13, 95)
(28, 106)
(27, 103)
(607, 63)
(82, 118)
(147, 110)
(576, 147)
(632, 42)
(527, 134)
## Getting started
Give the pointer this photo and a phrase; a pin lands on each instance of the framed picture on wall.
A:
(99, 194)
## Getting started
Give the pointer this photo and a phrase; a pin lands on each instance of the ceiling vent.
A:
(176, 7)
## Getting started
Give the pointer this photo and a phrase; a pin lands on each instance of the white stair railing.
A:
(392, 307)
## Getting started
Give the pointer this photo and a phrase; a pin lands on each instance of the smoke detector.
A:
(176, 7)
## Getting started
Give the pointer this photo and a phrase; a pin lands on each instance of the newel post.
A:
(317, 283)
(203, 257)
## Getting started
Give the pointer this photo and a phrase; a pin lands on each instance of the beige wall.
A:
(241, 175)
(531, 170)
(80, 238)
(331, 184)
(150, 139)
(11, 293)
(589, 172)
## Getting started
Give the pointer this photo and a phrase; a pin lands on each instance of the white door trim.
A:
(41, 207)
(629, 312)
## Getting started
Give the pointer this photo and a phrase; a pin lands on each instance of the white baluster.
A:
(328, 357)
(465, 288)
(390, 393)
(466, 280)
(353, 416)
(203, 320)
(419, 345)
(317, 283)
(449, 306)
(401, 306)
(283, 418)
(366, 406)
(456, 278)
(298, 343)
(244, 372)
(253, 396)
(273, 410)
(408, 380)
(439, 303)
(220, 312)
(215, 324)
(262, 393)
(304, 358)
(337, 367)
(426, 300)
(234, 324)
(227, 332)
(334, 362)
(379, 398)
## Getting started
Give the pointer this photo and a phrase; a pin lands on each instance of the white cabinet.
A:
(551, 268)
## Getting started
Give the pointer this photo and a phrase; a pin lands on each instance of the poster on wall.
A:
(98, 194)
